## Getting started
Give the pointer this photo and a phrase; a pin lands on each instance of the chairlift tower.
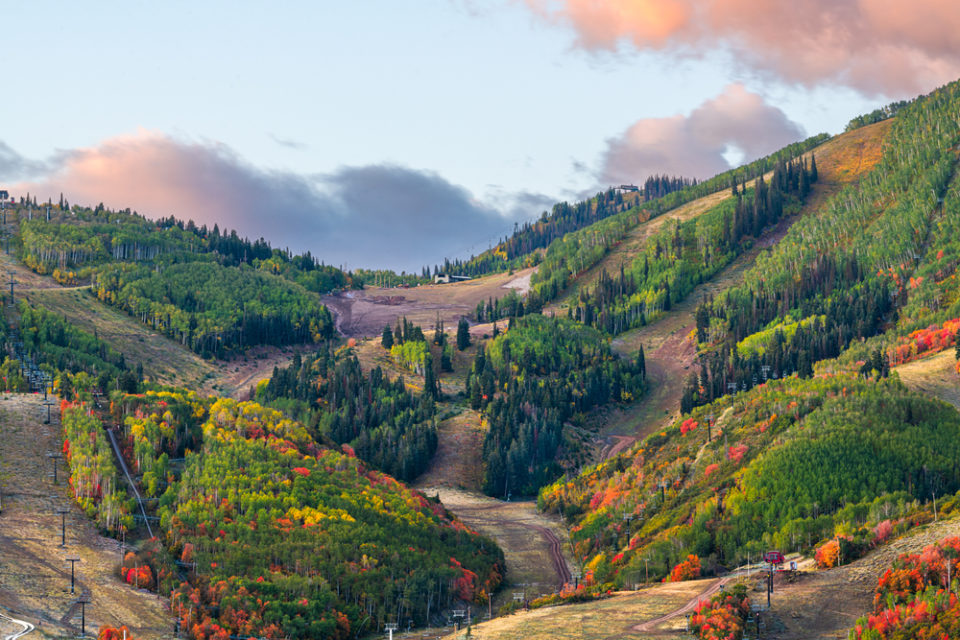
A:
(55, 457)
(84, 600)
(390, 627)
(11, 282)
(73, 560)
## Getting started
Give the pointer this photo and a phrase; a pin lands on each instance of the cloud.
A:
(369, 216)
(14, 166)
(696, 145)
(288, 143)
(878, 47)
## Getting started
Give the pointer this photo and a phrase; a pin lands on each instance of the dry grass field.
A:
(34, 578)
(613, 618)
(935, 375)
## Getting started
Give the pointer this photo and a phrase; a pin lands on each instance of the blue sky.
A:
(488, 100)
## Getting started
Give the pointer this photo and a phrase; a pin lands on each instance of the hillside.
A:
(764, 360)
(35, 582)
(669, 346)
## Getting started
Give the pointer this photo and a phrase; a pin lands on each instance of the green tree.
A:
(463, 334)
(386, 341)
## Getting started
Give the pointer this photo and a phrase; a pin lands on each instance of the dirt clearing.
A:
(365, 313)
(826, 604)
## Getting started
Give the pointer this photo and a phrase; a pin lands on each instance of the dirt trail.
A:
(34, 579)
(651, 625)
(613, 618)
(533, 543)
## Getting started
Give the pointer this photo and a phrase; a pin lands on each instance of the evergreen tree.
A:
(386, 340)
(463, 334)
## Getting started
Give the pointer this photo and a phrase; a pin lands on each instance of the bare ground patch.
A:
(826, 604)
(365, 313)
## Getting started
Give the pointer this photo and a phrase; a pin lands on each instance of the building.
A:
(446, 278)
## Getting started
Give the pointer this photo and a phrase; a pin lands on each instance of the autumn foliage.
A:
(107, 632)
(686, 570)
(722, 617)
(912, 598)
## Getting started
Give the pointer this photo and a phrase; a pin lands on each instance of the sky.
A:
(394, 134)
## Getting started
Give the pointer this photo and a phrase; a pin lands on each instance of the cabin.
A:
(628, 187)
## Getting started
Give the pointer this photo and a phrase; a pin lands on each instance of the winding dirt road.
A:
(650, 626)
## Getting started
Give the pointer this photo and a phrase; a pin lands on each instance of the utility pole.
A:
(390, 627)
(47, 403)
(73, 560)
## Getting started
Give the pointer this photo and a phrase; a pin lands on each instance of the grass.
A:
(34, 579)
(934, 375)
(163, 360)
(605, 619)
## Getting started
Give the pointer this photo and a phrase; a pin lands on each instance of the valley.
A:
(580, 449)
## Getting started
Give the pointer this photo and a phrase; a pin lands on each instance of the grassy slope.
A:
(669, 350)
(935, 375)
(34, 579)
(610, 618)
(163, 360)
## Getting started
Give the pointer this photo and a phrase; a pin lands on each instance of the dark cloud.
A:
(371, 216)
(13, 166)
(695, 145)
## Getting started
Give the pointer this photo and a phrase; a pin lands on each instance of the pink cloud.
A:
(694, 145)
(888, 47)
(372, 216)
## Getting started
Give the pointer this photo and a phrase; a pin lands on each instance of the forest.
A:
(682, 255)
(916, 597)
(389, 427)
(289, 539)
(562, 231)
(213, 309)
(530, 382)
(784, 465)
(879, 258)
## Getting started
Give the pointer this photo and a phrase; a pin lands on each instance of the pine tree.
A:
(431, 385)
(386, 340)
(463, 334)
